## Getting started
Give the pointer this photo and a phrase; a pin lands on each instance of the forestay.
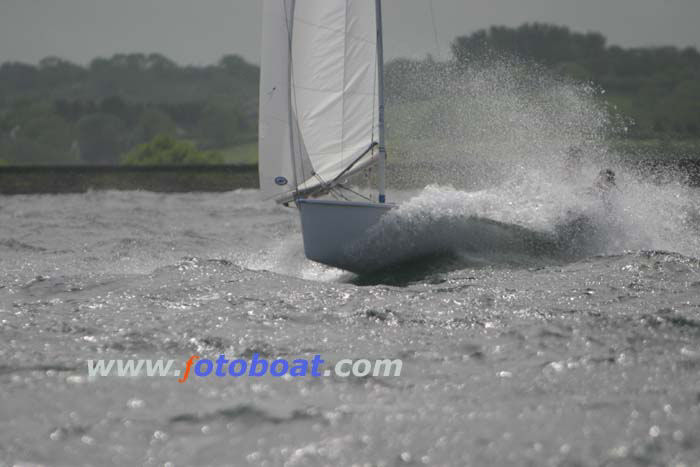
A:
(318, 93)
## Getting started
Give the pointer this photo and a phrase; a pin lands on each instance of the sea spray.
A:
(484, 125)
(512, 144)
(498, 164)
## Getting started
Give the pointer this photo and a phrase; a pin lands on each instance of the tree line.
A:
(115, 109)
(658, 88)
(57, 112)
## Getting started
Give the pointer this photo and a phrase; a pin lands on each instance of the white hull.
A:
(332, 229)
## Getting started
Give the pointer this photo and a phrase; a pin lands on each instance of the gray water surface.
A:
(540, 361)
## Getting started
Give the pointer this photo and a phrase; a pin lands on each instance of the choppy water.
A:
(539, 322)
(527, 357)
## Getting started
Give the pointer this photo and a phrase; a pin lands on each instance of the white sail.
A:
(322, 88)
(276, 164)
(334, 80)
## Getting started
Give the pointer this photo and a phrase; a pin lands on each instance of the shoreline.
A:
(19, 180)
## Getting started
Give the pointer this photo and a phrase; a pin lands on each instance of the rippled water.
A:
(516, 358)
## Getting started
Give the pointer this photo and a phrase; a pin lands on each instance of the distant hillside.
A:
(659, 87)
(57, 112)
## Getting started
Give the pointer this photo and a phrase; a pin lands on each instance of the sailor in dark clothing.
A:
(604, 187)
(606, 180)
(581, 229)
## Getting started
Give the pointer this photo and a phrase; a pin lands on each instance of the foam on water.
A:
(540, 221)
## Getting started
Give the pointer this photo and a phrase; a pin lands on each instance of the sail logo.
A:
(281, 181)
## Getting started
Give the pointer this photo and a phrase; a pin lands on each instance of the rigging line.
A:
(353, 191)
(289, 8)
(322, 184)
(357, 159)
(294, 122)
(338, 194)
(435, 31)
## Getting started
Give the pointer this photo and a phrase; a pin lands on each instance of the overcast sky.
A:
(201, 31)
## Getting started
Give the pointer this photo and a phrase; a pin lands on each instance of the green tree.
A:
(166, 150)
(153, 122)
(655, 87)
(102, 138)
(223, 124)
(545, 43)
(35, 134)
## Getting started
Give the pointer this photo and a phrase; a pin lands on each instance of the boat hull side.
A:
(331, 228)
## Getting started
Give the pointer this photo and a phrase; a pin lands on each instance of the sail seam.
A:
(354, 93)
(327, 153)
(320, 26)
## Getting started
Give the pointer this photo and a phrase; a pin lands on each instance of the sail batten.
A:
(329, 72)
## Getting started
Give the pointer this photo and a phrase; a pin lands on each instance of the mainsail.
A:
(318, 93)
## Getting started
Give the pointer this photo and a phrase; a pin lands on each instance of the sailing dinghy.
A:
(322, 119)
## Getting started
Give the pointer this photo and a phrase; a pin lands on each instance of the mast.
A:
(290, 68)
(380, 95)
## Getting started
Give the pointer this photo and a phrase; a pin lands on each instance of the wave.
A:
(452, 227)
(525, 224)
(16, 245)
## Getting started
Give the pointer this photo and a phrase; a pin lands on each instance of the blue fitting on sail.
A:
(382, 199)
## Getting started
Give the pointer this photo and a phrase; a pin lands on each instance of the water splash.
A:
(481, 126)
(505, 157)
(514, 144)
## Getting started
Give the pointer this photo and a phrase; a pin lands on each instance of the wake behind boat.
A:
(322, 117)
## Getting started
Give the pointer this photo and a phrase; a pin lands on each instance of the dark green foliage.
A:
(153, 122)
(166, 150)
(545, 43)
(102, 138)
(223, 124)
(658, 87)
(34, 133)
(58, 112)
(97, 113)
